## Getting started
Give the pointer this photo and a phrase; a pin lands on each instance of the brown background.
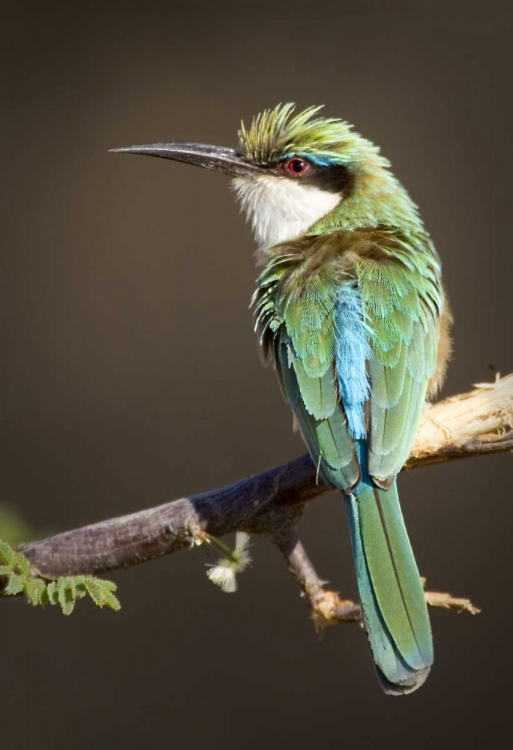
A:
(130, 371)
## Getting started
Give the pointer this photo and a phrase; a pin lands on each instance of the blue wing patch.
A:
(352, 353)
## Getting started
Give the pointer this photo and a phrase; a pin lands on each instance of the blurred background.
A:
(130, 373)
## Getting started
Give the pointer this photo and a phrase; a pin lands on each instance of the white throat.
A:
(280, 209)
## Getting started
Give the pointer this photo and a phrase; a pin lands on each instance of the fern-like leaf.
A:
(66, 599)
(102, 592)
(7, 554)
(34, 589)
(14, 585)
(52, 594)
(19, 578)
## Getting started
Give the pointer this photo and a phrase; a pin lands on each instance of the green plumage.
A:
(353, 307)
(390, 590)
(296, 309)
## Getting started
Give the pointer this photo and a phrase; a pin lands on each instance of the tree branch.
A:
(271, 503)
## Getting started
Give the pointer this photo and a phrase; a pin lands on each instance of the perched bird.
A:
(350, 308)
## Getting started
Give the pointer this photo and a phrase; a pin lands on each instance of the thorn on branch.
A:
(447, 601)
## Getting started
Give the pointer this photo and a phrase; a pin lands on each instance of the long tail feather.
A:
(391, 593)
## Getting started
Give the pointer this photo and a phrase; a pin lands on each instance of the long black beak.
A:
(218, 158)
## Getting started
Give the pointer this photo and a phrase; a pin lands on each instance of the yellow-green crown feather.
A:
(276, 133)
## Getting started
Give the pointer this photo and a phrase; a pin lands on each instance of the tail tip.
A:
(406, 687)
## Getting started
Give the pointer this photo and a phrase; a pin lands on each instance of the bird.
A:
(351, 310)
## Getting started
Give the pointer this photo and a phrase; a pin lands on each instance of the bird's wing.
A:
(402, 299)
(320, 416)
(354, 347)
(298, 333)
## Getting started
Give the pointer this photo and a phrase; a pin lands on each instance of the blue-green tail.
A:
(391, 593)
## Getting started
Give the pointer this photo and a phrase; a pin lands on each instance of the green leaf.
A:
(94, 589)
(7, 554)
(80, 589)
(64, 591)
(69, 582)
(34, 588)
(52, 593)
(66, 599)
(111, 600)
(14, 586)
(22, 563)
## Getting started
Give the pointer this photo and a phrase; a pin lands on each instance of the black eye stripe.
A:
(336, 178)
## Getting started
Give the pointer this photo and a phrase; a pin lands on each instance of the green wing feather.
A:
(401, 312)
(320, 417)
(319, 393)
(298, 330)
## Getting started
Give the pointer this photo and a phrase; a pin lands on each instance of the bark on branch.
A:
(271, 503)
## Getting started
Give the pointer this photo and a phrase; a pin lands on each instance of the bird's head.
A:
(290, 171)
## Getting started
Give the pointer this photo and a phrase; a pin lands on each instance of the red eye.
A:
(296, 167)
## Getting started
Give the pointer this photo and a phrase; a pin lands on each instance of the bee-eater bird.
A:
(351, 310)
